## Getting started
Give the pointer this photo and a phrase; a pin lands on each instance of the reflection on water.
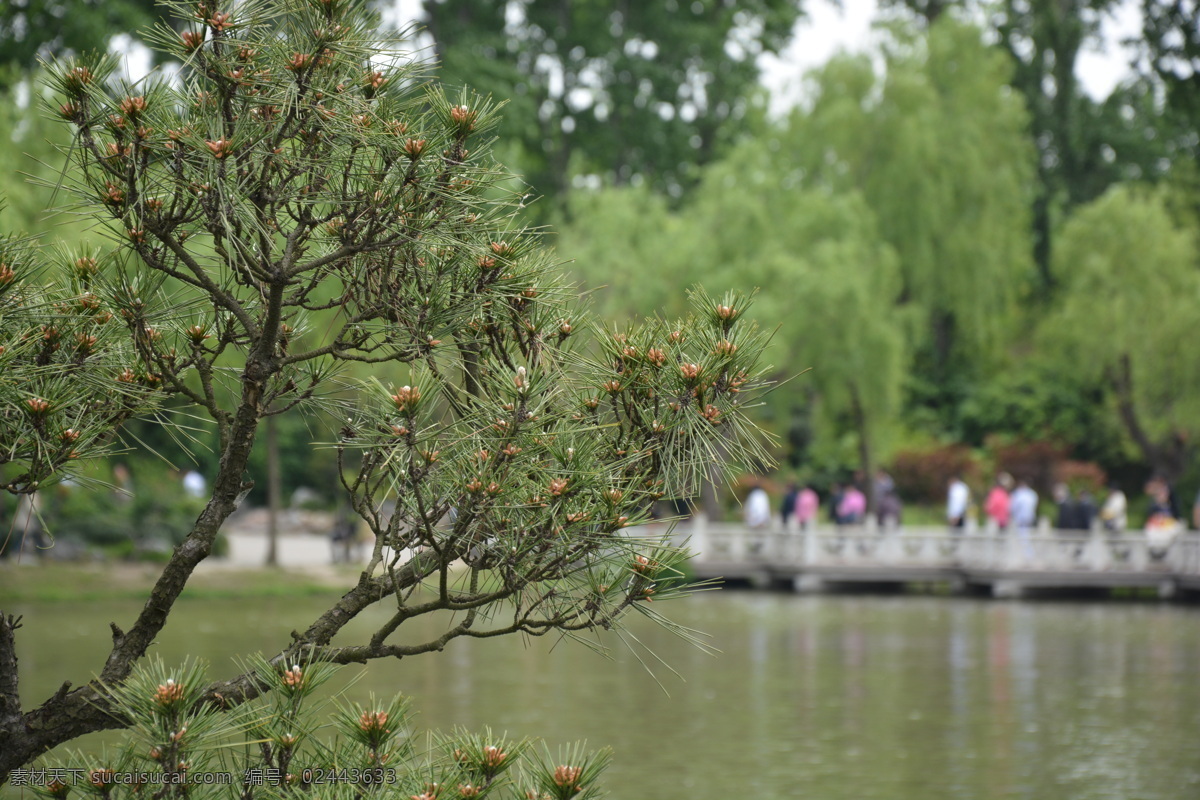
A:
(822, 697)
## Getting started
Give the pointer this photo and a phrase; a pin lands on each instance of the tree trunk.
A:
(1168, 458)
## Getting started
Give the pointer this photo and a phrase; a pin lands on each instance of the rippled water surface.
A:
(833, 697)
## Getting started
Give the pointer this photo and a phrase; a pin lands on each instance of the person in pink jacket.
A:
(807, 506)
(997, 505)
(853, 507)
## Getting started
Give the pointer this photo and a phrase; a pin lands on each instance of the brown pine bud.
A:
(168, 693)
(407, 398)
(220, 148)
(192, 40)
(373, 722)
(294, 677)
(298, 62)
(567, 777)
(133, 106)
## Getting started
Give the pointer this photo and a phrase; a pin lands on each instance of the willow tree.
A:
(297, 174)
(853, 339)
(816, 257)
(1129, 298)
(939, 150)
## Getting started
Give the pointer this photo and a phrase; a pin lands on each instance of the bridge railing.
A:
(941, 548)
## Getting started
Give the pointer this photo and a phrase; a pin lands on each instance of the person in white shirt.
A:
(1113, 514)
(194, 484)
(958, 497)
(1022, 507)
(757, 510)
(757, 513)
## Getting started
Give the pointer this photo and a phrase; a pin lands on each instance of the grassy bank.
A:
(72, 583)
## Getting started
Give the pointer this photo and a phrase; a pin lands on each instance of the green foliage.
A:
(1130, 290)
(939, 152)
(41, 29)
(29, 159)
(1171, 40)
(182, 741)
(638, 91)
(885, 222)
(300, 201)
(65, 377)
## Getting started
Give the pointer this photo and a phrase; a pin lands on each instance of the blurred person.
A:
(27, 530)
(807, 506)
(122, 483)
(1160, 500)
(343, 534)
(884, 484)
(1022, 510)
(1068, 518)
(1162, 494)
(1022, 507)
(853, 507)
(889, 510)
(998, 505)
(1114, 512)
(757, 514)
(1085, 510)
(757, 510)
(835, 503)
(1162, 522)
(788, 506)
(958, 498)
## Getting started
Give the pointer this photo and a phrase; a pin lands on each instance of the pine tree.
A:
(302, 201)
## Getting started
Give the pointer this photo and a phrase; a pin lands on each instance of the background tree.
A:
(291, 207)
(1130, 284)
(625, 91)
(1171, 41)
(33, 29)
(937, 149)
(851, 335)
(1084, 144)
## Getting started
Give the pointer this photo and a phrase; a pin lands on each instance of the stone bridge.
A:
(1004, 564)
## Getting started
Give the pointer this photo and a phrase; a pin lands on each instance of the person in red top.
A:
(997, 504)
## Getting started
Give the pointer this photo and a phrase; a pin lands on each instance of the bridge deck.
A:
(1007, 564)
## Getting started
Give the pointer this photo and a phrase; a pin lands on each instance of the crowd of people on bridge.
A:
(847, 504)
(1010, 504)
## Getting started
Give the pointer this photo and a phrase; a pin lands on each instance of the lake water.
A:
(831, 697)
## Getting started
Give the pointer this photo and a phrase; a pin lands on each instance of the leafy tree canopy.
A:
(33, 29)
(1130, 293)
(938, 150)
(626, 91)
